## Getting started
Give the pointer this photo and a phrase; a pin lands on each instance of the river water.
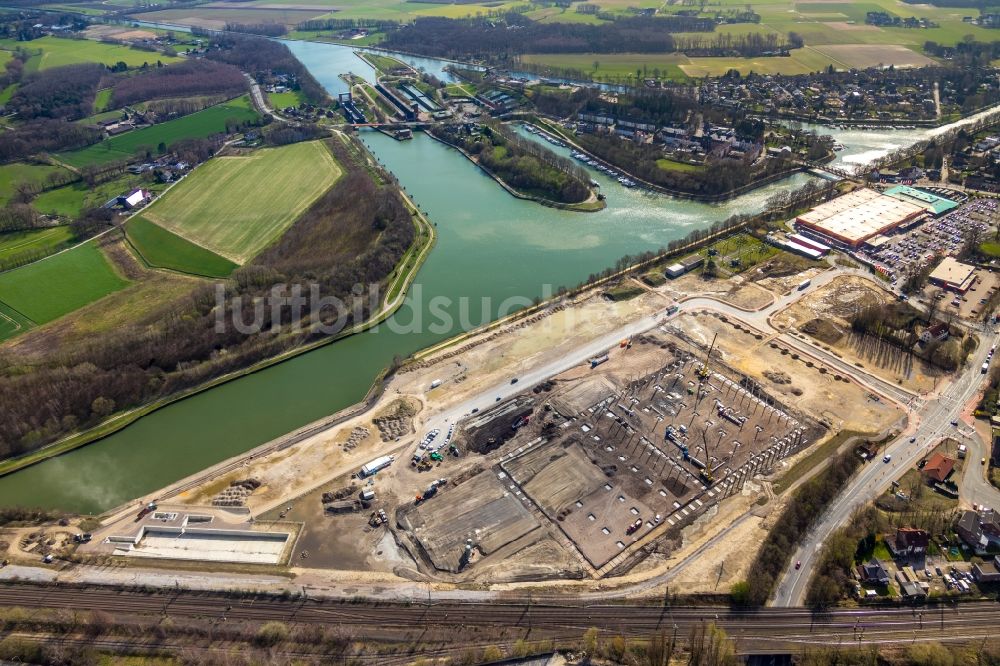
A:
(491, 247)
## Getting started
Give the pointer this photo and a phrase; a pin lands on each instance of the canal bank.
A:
(493, 252)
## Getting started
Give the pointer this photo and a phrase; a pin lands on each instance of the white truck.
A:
(804, 284)
(435, 383)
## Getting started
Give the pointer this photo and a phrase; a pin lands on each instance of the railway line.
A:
(763, 629)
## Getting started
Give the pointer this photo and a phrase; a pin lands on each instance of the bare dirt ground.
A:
(814, 390)
(118, 32)
(737, 291)
(825, 314)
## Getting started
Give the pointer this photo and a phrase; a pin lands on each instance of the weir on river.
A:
(491, 247)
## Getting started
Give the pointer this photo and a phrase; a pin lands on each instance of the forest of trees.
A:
(44, 135)
(528, 167)
(189, 78)
(261, 58)
(355, 233)
(265, 29)
(61, 92)
(502, 39)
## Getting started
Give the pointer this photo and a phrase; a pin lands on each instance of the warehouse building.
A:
(932, 203)
(852, 219)
(954, 275)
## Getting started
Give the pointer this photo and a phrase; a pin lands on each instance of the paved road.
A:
(932, 422)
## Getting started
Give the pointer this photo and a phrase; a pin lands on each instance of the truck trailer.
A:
(374, 466)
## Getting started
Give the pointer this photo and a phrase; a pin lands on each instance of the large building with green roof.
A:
(932, 203)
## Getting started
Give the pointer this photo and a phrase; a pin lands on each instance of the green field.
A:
(11, 175)
(197, 125)
(102, 99)
(53, 287)
(615, 65)
(236, 206)
(163, 249)
(12, 322)
(14, 243)
(671, 165)
(70, 201)
(281, 100)
(58, 51)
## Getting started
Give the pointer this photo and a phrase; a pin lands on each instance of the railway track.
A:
(753, 630)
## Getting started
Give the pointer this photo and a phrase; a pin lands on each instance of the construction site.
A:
(604, 464)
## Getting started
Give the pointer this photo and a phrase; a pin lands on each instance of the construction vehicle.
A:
(631, 529)
(437, 456)
(522, 421)
(454, 450)
(378, 518)
(703, 371)
(706, 476)
(597, 360)
(149, 508)
(626, 343)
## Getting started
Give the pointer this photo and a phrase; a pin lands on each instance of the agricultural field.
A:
(162, 249)
(58, 51)
(197, 125)
(12, 175)
(217, 15)
(13, 243)
(12, 322)
(50, 288)
(71, 200)
(237, 206)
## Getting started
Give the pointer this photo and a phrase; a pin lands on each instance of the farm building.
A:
(953, 274)
(855, 217)
(134, 199)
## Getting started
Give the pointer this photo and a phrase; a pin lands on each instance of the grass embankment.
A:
(195, 126)
(48, 289)
(160, 248)
(237, 206)
(283, 100)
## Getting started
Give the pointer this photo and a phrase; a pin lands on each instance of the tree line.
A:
(61, 92)
(264, 29)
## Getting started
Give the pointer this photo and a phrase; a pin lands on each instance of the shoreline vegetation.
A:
(523, 169)
(294, 252)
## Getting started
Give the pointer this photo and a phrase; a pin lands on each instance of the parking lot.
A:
(911, 250)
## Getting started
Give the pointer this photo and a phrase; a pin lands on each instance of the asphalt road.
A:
(928, 425)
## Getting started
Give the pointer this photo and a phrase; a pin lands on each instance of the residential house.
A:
(935, 333)
(909, 541)
(873, 572)
(938, 468)
(979, 530)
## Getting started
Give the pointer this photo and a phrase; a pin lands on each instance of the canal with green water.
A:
(491, 246)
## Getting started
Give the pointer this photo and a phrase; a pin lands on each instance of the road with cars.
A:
(939, 416)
